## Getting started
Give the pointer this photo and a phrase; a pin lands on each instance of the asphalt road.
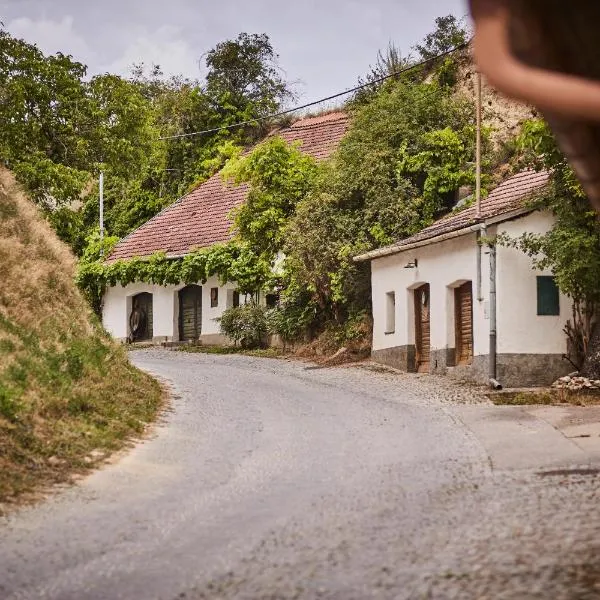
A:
(267, 480)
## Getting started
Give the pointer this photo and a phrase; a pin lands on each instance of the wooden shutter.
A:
(548, 301)
(463, 302)
(422, 328)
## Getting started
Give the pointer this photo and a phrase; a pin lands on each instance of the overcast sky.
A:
(325, 45)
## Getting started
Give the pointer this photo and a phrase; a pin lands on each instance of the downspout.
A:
(493, 362)
(480, 235)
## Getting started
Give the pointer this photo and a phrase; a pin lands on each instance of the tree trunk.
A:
(591, 364)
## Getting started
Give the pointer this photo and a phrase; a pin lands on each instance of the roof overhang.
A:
(449, 235)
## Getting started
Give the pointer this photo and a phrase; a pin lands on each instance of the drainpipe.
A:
(493, 365)
(480, 234)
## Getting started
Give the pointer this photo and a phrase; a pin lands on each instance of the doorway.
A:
(141, 319)
(463, 306)
(190, 313)
(422, 328)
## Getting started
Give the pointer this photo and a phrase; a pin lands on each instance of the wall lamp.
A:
(412, 265)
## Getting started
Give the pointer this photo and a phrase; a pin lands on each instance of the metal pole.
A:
(478, 145)
(101, 211)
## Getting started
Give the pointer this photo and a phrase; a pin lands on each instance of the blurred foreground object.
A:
(547, 53)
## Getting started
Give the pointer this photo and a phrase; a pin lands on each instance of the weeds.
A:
(65, 388)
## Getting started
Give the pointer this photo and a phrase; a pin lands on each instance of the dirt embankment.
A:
(68, 395)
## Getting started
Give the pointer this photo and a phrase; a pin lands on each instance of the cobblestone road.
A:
(268, 480)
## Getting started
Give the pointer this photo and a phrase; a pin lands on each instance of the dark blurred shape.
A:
(562, 37)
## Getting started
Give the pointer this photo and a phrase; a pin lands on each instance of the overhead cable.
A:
(333, 97)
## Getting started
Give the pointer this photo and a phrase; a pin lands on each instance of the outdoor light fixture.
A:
(412, 265)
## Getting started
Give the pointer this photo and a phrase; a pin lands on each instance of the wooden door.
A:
(422, 328)
(190, 313)
(141, 318)
(463, 303)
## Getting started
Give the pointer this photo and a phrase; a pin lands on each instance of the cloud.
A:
(165, 47)
(52, 36)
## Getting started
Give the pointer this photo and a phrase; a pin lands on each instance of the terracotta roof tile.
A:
(506, 198)
(200, 219)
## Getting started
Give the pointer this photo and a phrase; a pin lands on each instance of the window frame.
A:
(547, 307)
(390, 313)
(214, 297)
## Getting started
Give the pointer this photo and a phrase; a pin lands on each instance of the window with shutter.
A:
(548, 297)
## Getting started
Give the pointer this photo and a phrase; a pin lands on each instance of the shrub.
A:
(246, 325)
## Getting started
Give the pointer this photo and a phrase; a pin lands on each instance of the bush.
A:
(246, 325)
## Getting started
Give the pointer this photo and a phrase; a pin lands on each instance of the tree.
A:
(61, 129)
(245, 72)
(449, 33)
(280, 175)
(394, 172)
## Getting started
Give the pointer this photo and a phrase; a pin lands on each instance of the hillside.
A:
(68, 395)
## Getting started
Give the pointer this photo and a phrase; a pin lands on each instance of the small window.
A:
(272, 300)
(214, 297)
(236, 299)
(548, 303)
(390, 319)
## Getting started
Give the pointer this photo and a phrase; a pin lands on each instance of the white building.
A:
(433, 297)
(146, 312)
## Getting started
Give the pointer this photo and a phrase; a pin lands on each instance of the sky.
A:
(324, 46)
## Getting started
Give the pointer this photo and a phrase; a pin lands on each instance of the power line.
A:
(333, 97)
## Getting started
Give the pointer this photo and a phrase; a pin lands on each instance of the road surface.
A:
(269, 480)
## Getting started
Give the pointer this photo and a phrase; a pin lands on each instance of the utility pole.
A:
(478, 145)
(101, 212)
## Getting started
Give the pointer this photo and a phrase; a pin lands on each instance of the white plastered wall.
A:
(443, 266)
(165, 308)
(520, 329)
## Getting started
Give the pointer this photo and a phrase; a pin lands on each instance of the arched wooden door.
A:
(141, 319)
(463, 303)
(422, 328)
(190, 313)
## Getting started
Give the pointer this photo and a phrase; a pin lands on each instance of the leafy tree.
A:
(450, 33)
(245, 71)
(279, 175)
(394, 172)
(43, 108)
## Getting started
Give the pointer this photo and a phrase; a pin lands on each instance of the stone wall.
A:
(513, 370)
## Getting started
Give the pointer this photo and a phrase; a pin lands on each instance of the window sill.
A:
(389, 333)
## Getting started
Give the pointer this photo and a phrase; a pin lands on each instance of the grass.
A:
(66, 389)
(257, 353)
(547, 397)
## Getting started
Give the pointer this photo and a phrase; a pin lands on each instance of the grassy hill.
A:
(68, 395)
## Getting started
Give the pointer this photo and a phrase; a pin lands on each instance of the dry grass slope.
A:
(65, 388)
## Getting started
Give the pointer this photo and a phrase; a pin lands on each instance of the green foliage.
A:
(449, 33)
(247, 325)
(245, 70)
(230, 262)
(571, 248)
(279, 176)
(394, 172)
(61, 129)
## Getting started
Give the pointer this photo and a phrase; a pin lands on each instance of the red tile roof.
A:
(201, 218)
(506, 198)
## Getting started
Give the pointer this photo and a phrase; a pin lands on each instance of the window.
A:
(272, 300)
(236, 299)
(547, 297)
(390, 318)
(214, 297)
